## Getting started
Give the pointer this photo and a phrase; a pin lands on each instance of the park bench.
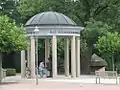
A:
(106, 74)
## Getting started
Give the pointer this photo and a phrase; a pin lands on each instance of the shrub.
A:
(10, 72)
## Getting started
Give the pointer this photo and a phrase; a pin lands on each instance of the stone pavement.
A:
(84, 83)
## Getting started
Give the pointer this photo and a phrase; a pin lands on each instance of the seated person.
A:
(42, 69)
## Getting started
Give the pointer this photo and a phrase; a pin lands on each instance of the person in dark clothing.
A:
(49, 66)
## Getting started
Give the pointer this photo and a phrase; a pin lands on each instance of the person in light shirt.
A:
(42, 69)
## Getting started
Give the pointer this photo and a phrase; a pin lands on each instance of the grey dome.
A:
(50, 18)
(97, 61)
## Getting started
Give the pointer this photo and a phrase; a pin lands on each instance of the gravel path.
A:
(15, 83)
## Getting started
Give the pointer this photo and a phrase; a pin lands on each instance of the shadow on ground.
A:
(9, 83)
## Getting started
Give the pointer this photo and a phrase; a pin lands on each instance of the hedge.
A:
(10, 72)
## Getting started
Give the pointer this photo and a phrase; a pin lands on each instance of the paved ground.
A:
(83, 83)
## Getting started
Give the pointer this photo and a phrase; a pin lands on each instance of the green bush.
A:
(10, 72)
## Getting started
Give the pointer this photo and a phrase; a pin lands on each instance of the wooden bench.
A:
(106, 74)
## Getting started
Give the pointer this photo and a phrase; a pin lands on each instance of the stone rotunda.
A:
(50, 26)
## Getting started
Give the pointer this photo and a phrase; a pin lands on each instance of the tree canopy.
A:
(9, 8)
(109, 43)
(12, 38)
(108, 46)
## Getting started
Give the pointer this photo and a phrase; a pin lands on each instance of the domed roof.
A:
(50, 18)
(97, 61)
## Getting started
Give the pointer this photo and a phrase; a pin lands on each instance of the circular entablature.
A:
(52, 23)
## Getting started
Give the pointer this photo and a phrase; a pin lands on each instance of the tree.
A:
(111, 16)
(104, 14)
(92, 31)
(83, 10)
(12, 38)
(9, 7)
(37, 6)
(109, 44)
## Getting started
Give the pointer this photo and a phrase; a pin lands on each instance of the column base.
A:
(73, 76)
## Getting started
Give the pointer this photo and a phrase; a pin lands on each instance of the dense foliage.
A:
(9, 7)
(12, 38)
(109, 45)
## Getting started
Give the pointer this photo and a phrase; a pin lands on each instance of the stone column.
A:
(54, 56)
(32, 57)
(66, 57)
(23, 64)
(78, 56)
(47, 50)
(28, 56)
(73, 58)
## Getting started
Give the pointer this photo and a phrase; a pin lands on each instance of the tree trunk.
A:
(113, 65)
(0, 68)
